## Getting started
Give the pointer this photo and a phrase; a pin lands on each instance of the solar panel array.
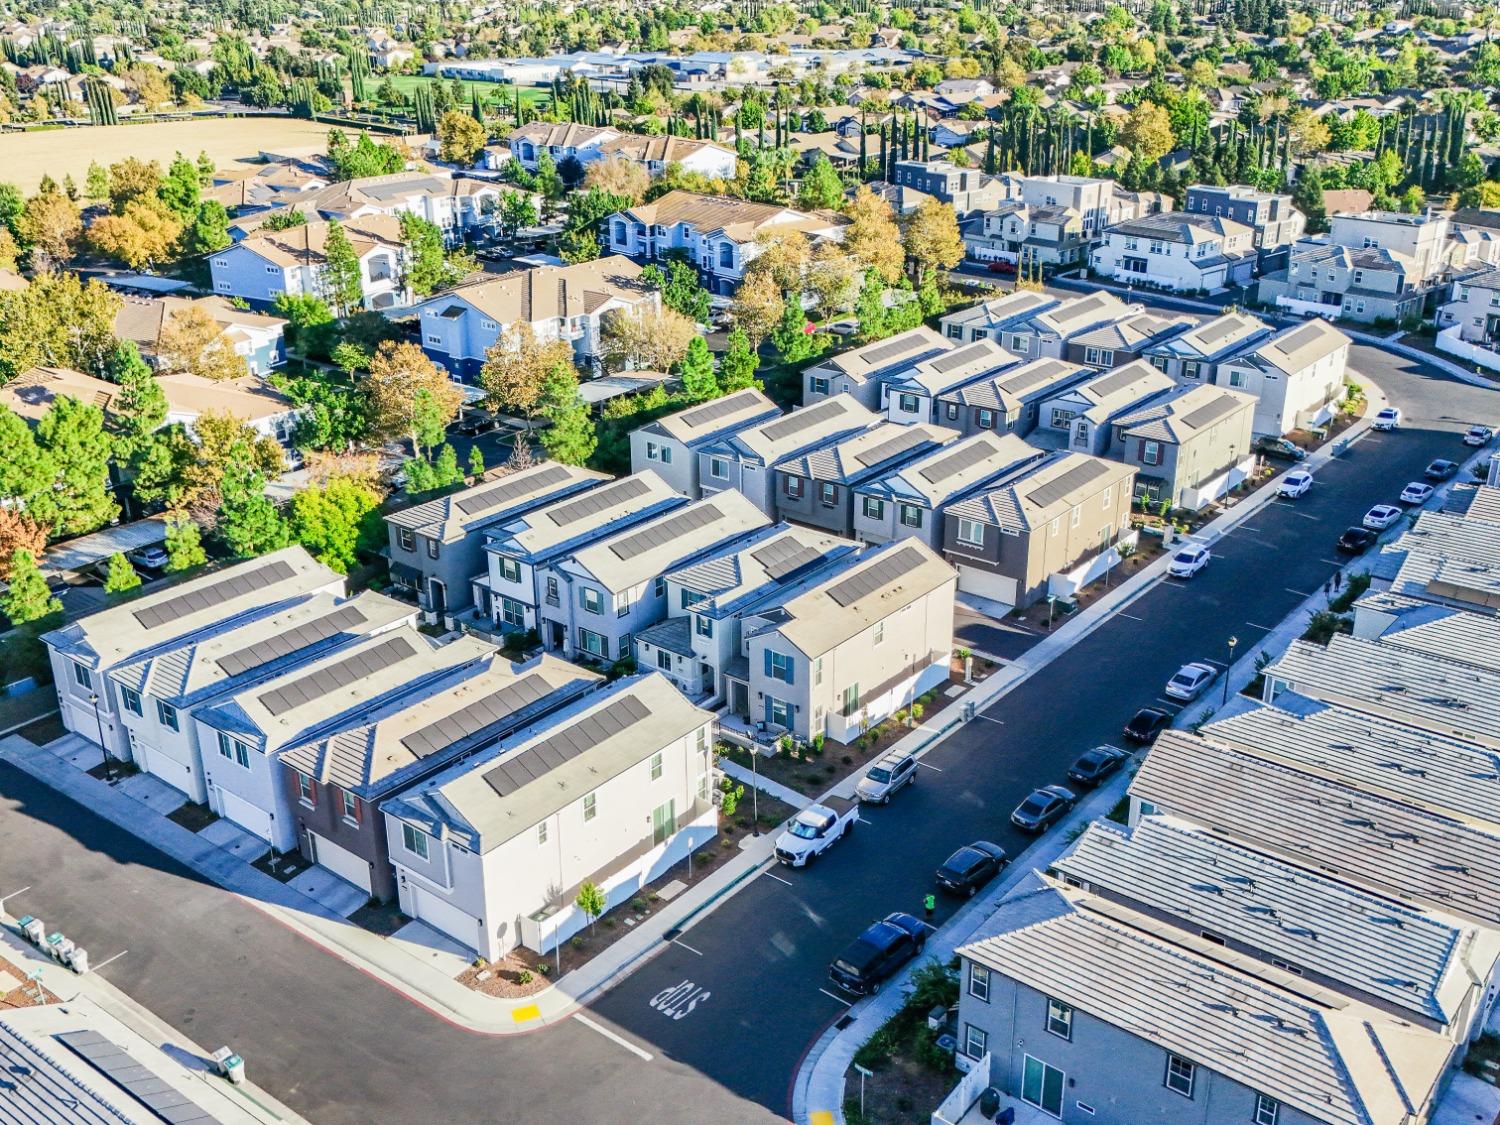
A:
(476, 716)
(284, 644)
(498, 495)
(908, 439)
(528, 765)
(877, 576)
(1216, 330)
(242, 582)
(660, 534)
(785, 556)
(1024, 379)
(957, 462)
(1116, 381)
(1294, 340)
(323, 681)
(799, 420)
(956, 359)
(1210, 411)
(892, 349)
(599, 500)
(719, 408)
(140, 1082)
(1076, 477)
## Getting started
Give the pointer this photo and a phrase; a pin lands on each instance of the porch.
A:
(966, 1103)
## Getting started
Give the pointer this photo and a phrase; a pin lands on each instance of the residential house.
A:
(1274, 223)
(335, 784)
(745, 461)
(1047, 332)
(861, 372)
(1474, 305)
(965, 189)
(612, 790)
(1054, 517)
(657, 154)
(990, 320)
(1178, 250)
(264, 186)
(1190, 446)
(1296, 377)
(1058, 219)
(1084, 416)
(523, 548)
(564, 302)
(257, 338)
(844, 650)
(613, 586)
(1011, 401)
(568, 140)
(266, 264)
(818, 487)
(1449, 558)
(83, 652)
(718, 234)
(909, 502)
(162, 690)
(242, 733)
(456, 205)
(436, 548)
(1194, 356)
(670, 445)
(1116, 343)
(912, 395)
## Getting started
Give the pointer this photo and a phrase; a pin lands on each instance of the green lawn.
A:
(406, 83)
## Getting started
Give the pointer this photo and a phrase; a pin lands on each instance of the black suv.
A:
(971, 867)
(1146, 724)
(1356, 540)
(1093, 766)
(877, 953)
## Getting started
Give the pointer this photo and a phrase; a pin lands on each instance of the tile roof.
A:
(548, 292)
(1185, 412)
(497, 498)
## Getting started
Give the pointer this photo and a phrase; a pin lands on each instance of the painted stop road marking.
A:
(680, 999)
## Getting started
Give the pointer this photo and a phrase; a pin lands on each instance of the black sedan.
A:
(1356, 540)
(1440, 469)
(971, 867)
(1093, 766)
(1043, 809)
(1146, 724)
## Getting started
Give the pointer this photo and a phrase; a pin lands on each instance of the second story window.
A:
(590, 806)
(1060, 1019)
(510, 570)
(432, 548)
(703, 626)
(873, 509)
(414, 840)
(911, 515)
(779, 666)
(591, 600)
(971, 533)
(131, 699)
(979, 981)
(407, 541)
(1180, 1075)
(166, 714)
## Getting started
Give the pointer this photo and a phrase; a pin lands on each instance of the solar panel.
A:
(799, 420)
(1116, 381)
(1060, 487)
(957, 462)
(599, 500)
(891, 349)
(1035, 375)
(1210, 411)
(578, 737)
(498, 495)
(139, 1081)
(1296, 339)
(956, 359)
(665, 531)
(877, 576)
(719, 408)
(1216, 330)
(322, 681)
(283, 644)
(784, 557)
(241, 582)
(476, 716)
(908, 439)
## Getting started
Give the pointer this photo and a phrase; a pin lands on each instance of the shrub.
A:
(847, 759)
(576, 941)
(524, 977)
(638, 904)
(1324, 626)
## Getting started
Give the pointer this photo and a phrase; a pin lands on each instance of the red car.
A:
(1002, 267)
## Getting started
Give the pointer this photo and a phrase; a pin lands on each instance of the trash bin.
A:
(234, 1070)
(989, 1103)
(34, 929)
(78, 960)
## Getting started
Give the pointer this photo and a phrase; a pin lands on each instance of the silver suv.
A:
(889, 773)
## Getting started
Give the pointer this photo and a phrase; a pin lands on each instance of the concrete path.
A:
(764, 784)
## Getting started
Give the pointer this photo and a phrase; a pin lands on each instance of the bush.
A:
(524, 977)
(1324, 626)
(1353, 588)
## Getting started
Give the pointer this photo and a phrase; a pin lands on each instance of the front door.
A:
(437, 595)
(739, 699)
(1042, 1086)
(559, 636)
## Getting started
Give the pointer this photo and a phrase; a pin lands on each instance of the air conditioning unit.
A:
(34, 930)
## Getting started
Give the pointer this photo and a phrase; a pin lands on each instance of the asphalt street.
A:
(750, 977)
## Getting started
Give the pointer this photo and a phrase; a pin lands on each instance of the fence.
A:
(965, 1094)
(1448, 342)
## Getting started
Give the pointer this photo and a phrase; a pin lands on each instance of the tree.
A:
(1147, 132)
(570, 438)
(872, 235)
(400, 376)
(476, 462)
(590, 898)
(781, 255)
(19, 532)
(834, 278)
(96, 183)
(58, 321)
(680, 289)
(426, 266)
(517, 212)
(305, 314)
(336, 520)
(10, 250)
(249, 523)
(932, 238)
(184, 546)
(618, 176)
(1307, 197)
(516, 367)
(131, 179)
(144, 233)
(187, 470)
(643, 338)
(121, 576)
(697, 371)
(740, 362)
(209, 229)
(1309, 132)
(821, 187)
(340, 274)
(72, 437)
(27, 598)
(460, 138)
(758, 306)
(50, 225)
(793, 336)
(192, 341)
(180, 188)
(140, 408)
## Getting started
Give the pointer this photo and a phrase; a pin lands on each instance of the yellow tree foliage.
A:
(144, 234)
(460, 137)
(1147, 132)
(872, 235)
(646, 339)
(781, 256)
(51, 224)
(516, 367)
(932, 238)
(618, 177)
(192, 341)
(393, 390)
(758, 307)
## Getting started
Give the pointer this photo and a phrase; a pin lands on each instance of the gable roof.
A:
(965, 364)
(303, 245)
(1039, 493)
(805, 428)
(708, 420)
(1219, 336)
(1031, 382)
(500, 497)
(544, 532)
(868, 361)
(739, 219)
(548, 292)
(954, 470)
(1296, 348)
(759, 566)
(1185, 413)
(1122, 388)
(860, 456)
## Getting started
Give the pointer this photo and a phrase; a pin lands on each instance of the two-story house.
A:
(861, 372)
(1178, 250)
(1119, 342)
(613, 789)
(587, 143)
(1296, 377)
(1190, 446)
(1047, 332)
(1474, 304)
(1194, 356)
(965, 189)
(264, 265)
(1081, 418)
(912, 394)
(1036, 234)
(669, 445)
(1011, 401)
(990, 320)
(437, 547)
(1274, 223)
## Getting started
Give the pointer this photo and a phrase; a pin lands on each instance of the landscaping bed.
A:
(194, 817)
(23, 994)
(912, 1074)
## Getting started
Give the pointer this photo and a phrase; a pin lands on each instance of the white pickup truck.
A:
(814, 830)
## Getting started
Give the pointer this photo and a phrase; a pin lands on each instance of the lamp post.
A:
(1229, 667)
(109, 770)
(754, 789)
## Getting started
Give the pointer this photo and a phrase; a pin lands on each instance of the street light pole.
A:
(754, 789)
(109, 770)
(1228, 667)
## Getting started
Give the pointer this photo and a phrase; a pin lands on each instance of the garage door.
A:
(438, 913)
(341, 861)
(984, 584)
(243, 813)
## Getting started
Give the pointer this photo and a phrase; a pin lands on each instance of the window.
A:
(1150, 453)
(1190, 369)
(850, 702)
(1098, 357)
(793, 487)
(664, 660)
(1061, 417)
(510, 570)
(166, 714)
(828, 494)
(703, 626)
(971, 533)
(1267, 1110)
(435, 341)
(717, 469)
(541, 833)
(873, 509)
(976, 1041)
(653, 451)
(1159, 362)
(1179, 1077)
(778, 712)
(664, 822)
(512, 613)
(1108, 495)
(911, 515)
(432, 548)
(1075, 515)
(1059, 1018)
(879, 632)
(590, 806)
(405, 538)
(590, 599)
(779, 666)
(908, 404)
(656, 766)
(350, 805)
(986, 419)
(1020, 344)
(819, 385)
(817, 671)
(954, 331)
(726, 256)
(552, 598)
(82, 677)
(592, 643)
(979, 981)
(307, 790)
(952, 411)
(1042, 1086)
(131, 699)
(414, 840)
(234, 750)
(618, 232)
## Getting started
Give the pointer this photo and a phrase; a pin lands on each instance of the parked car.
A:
(1387, 419)
(1295, 484)
(816, 829)
(1356, 540)
(874, 956)
(891, 771)
(1441, 469)
(1381, 516)
(153, 557)
(1043, 808)
(1094, 765)
(476, 422)
(971, 867)
(1189, 561)
(1416, 493)
(1280, 448)
(1002, 267)
(1478, 435)
(1190, 681)
(844, 327)
(1146, 724)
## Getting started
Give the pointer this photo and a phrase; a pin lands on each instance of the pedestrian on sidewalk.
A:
(1338, 580)
(1328, 587)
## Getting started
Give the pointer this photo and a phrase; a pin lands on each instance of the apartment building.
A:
(1083, 417)
(1274, 223)
(254, 337)
(1296, 377)
(862, 372)
(912, 395)
(1180, 251)
(669, 445)
(965, 189)
(587, 143)
(1190, 446)
(456, 205)
(1011, 401)
(264, 265)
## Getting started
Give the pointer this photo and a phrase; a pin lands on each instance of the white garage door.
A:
(243, 813)
(341, 861)
(438, 913)
(983, 584)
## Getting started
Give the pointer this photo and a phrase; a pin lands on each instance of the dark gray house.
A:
(1010, 401)
(1277, 225)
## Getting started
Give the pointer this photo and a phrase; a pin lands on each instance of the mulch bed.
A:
(23, 996)
(380, 918)
(193, 817)
(284, 867)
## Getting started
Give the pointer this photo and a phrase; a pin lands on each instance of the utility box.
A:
(34, 930)
(78, 960)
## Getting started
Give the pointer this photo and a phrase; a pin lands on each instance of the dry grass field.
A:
(230, 142)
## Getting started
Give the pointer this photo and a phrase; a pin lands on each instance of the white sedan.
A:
(1388, 419)
(1190, 681)
(1189, 561)
(1382, 516)
(1416, 493)
(1295, 484)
